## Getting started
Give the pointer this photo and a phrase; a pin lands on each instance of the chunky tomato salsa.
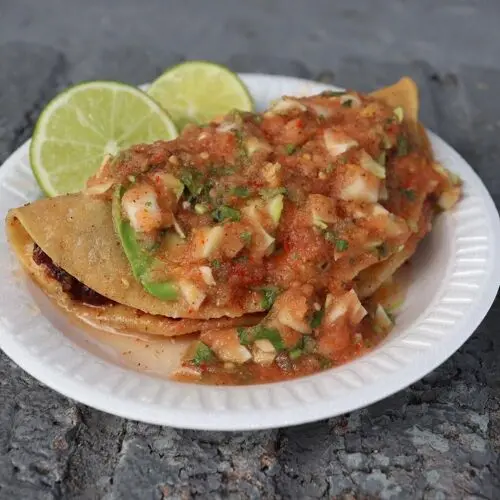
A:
(301, 212)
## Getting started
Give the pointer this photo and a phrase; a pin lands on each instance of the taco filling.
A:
(281, 226)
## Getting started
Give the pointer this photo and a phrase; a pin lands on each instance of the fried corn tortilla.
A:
(115, 317)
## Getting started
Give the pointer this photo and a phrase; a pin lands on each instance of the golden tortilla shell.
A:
(117, 317)
(77, 233)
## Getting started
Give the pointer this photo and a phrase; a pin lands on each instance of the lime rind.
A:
(198, 91)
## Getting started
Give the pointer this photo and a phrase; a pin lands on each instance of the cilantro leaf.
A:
(192, 179)
(317, 318)
(409, 193)
(269, 294)
(203, 354)
(224, 212)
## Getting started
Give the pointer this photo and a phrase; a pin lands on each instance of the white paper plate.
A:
(456, 273)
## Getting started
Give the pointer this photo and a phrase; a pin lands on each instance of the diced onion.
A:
(263, 352)
(270, 173)
(226, 126)
(383, 194)
(346, 304)
(288, 318)
(360, 190)
(207, 275)
(399, 113)
(354, 100)
(179, 230)
(253, 144)
(449, 198)
(368, 163)
(284, 105)
(208, 240)
(381, 321)
(141, 207)
(337, 143)
(322, 210)
(98, 188)
(192, 294)
(320, 110)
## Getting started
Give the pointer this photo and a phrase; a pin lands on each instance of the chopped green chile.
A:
(141, 261)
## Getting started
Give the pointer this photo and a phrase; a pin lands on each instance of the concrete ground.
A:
(438, 439)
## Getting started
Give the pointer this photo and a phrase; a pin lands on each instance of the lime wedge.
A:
(82, 124)
(198, 91)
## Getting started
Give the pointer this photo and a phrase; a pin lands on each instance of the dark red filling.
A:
(74, 288)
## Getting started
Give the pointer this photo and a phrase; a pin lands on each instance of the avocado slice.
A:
(139, 259)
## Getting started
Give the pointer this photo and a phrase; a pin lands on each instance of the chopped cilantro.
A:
(216, 264)
(224, 212)
(403, 147)
(243, 335)
(240, 191)
(203, 354)
(268, 193)
(271, 334)
(269, 294)
(341, 245)
(295, 354)
(317, 318)
(409, 193)
(246, 237)
(192, 179)
(290, 149)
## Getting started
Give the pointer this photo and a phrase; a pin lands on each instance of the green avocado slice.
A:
(139, 259)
